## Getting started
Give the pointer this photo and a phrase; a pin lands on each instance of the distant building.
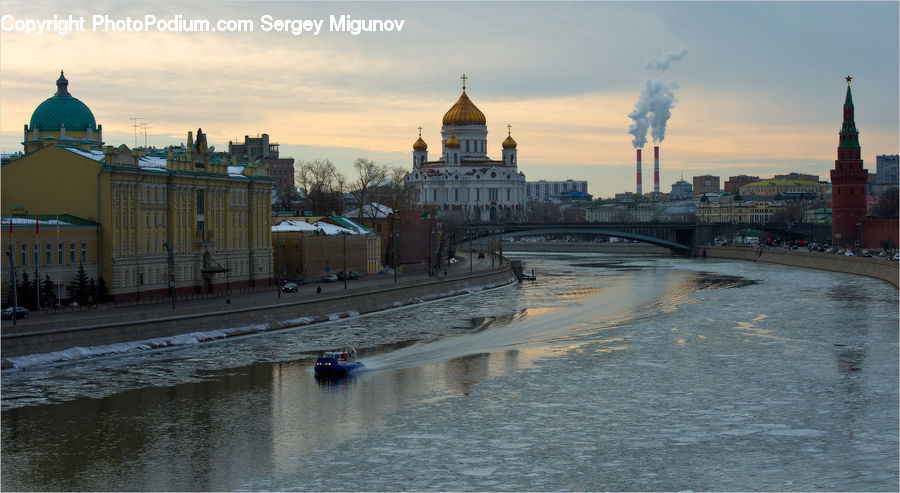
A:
(786, 189)
(253, 148)
(886, 175)
(542, 189)
(706, 184)
(737, 211)
(682, 189)
(734, 183)
(623, 212)
(281, 170)
(797, 176)
(463, 181)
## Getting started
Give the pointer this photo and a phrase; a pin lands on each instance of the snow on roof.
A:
(323, 227)
(94, 154)
(372, 210)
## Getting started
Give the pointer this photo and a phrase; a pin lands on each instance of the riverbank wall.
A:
(877, 268)
(585, 246)
(237, 320)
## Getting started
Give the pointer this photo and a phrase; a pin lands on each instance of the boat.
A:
(528, 277)
(338, 362)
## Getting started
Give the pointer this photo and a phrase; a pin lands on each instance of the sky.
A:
(755, 87)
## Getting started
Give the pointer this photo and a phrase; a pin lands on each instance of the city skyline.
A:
(757, 90)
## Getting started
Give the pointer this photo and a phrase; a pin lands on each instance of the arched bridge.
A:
(682, 238)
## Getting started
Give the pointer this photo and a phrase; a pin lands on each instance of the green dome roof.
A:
(61, 109)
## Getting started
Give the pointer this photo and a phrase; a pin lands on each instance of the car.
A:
(882, 254)
(896, 256)
(481, 255)
(330, 278)
(289, 287)
(849, 253)
(866, 253)
(348, 276)
(21, 312)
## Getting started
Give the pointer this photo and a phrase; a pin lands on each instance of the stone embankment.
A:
(877, 268)
(239, 318)
(585, 246)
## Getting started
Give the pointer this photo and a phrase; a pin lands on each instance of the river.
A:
(608, 373)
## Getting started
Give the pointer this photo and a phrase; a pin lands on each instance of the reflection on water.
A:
(663, 374)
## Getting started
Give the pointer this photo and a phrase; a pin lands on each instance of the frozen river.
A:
(608, 373)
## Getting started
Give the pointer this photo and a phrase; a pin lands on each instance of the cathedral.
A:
(463, 182)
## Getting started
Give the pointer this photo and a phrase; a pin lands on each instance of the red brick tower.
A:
(848, 182)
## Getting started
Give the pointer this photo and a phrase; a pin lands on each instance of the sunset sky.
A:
(759, 90)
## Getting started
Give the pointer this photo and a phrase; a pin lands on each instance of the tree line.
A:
(84, 291)
(324, 186)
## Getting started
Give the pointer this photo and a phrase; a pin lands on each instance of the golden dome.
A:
(420, 144)
(464, 112)
(509, 143)
(452, 142)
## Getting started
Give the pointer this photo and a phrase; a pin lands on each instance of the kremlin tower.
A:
(848, 182)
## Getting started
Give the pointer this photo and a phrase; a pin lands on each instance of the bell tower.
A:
(848, 182)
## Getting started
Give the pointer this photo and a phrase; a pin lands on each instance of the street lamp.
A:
(171, 271)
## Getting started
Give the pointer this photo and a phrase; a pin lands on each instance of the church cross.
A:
(464, 81)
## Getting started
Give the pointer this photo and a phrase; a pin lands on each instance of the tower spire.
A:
(463, 77)
(62, 85)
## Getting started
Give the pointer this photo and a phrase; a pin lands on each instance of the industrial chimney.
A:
(656, 170)
(640, 190)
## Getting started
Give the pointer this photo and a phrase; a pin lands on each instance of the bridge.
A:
(683, 238)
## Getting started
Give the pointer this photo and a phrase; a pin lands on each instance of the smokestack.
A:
(656, 170)
(639, 187)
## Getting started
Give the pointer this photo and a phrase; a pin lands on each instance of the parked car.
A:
(330, 278)
(866, 253)
(21, 312)
(897, 256)
(849, 253)
(348, 275)
(289, 287)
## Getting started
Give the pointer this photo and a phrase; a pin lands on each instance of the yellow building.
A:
(737, 211)
(49, 246)
(212, 214)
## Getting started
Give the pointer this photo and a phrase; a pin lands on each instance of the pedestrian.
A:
(318, 289)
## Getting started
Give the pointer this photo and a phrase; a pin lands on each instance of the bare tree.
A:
(369, 176)
(398, 193)
(322, 183)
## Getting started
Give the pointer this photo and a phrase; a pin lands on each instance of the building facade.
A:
(706, 184)
(734, 183)
(785, 189)
(49, 247)
(183, 216)
(543, 189)
(886, 173)
(463, 182)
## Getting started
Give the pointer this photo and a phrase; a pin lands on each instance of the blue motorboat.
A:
(338, 362)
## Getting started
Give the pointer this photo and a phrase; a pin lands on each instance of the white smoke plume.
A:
(654, 107)
(662, 63)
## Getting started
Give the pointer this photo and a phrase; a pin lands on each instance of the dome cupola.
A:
(63, 110)
(452, 142)
(420, 144)
(509, 142)
(464, 111)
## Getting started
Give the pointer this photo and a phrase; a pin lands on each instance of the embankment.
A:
(242, 320)
(870, 267)
(585, 246)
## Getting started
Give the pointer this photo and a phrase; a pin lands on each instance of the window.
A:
(59, 254)
(24, 254)
(72, 253)
(83, 252)
(49, 254)
(37, 254)
(200, 203)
